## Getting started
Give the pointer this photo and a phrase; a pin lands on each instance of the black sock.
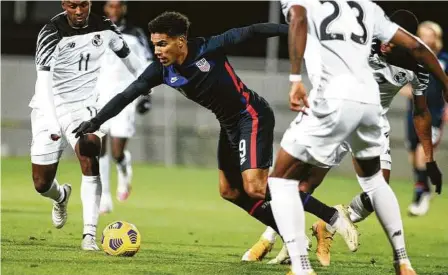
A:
(421, 177)
(366, 202)
(317, 208)
(259, 209)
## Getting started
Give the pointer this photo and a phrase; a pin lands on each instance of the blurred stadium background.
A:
(177, 131)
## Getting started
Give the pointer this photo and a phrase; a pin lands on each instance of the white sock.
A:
(269, 234)
(90, 197)
(56, 192)
(290, 218)
(387, 210)
(105, 174)
(122, 165)
(357, 210)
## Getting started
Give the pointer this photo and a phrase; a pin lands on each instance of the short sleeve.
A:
(46, 48)
(383, 29)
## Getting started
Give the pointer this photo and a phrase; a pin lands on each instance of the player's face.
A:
(167, 49)
(77, 12)
(114, 10)
(428, 36)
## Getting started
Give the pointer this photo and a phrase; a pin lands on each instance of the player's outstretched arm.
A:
(422, 124)
(423, 55)
(150, 78)
(239, 35)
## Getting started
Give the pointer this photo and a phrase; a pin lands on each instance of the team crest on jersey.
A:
(400, 77)
(203, 65)
(97, 40)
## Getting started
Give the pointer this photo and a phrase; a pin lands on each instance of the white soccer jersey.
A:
(74, 57)
(113, 68)
(391, 79)
(345, 30)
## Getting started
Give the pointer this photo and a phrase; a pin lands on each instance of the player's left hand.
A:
(434, 175)
(298, 99)
(86, 127)
(144, 105)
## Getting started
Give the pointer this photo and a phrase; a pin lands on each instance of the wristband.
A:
(295, 77)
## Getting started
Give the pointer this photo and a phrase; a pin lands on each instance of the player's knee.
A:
(228, 193)
(41, 183)
(255, 187)
(89, 146)
(306, 186)
(117, 155)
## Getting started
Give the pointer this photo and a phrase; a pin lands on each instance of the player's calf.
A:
(46, 184)
(87, 149)
(231, 189)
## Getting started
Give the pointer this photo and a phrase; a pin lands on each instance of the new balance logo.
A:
(396, 233)
(71, 45)
(174, 79)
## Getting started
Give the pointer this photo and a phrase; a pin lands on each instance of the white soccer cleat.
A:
(106, 205)
(124, 179)
(282, 257)
(89, 244)
(345, 227)
(59, 212)
(420, 208)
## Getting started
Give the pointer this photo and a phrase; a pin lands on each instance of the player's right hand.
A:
(86, 127)
(434, 175)
(298, 99)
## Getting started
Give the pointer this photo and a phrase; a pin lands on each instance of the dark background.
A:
(208, 18)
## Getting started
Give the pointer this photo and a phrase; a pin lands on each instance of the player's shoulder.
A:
(52, 28)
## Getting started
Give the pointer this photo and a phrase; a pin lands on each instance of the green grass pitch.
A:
(188, 229)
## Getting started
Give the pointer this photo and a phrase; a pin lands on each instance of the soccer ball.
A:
(121, 238)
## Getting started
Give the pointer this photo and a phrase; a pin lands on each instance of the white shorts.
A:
(316, 138)
(45, 151)
(123, 124)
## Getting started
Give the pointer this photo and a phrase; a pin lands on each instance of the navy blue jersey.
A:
(435, 89)
(434, 92)
(206, 77)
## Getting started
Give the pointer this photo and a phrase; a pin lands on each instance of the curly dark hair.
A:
(406, 19)
(171, 23)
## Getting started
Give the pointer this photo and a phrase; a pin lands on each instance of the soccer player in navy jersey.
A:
(199, 69)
